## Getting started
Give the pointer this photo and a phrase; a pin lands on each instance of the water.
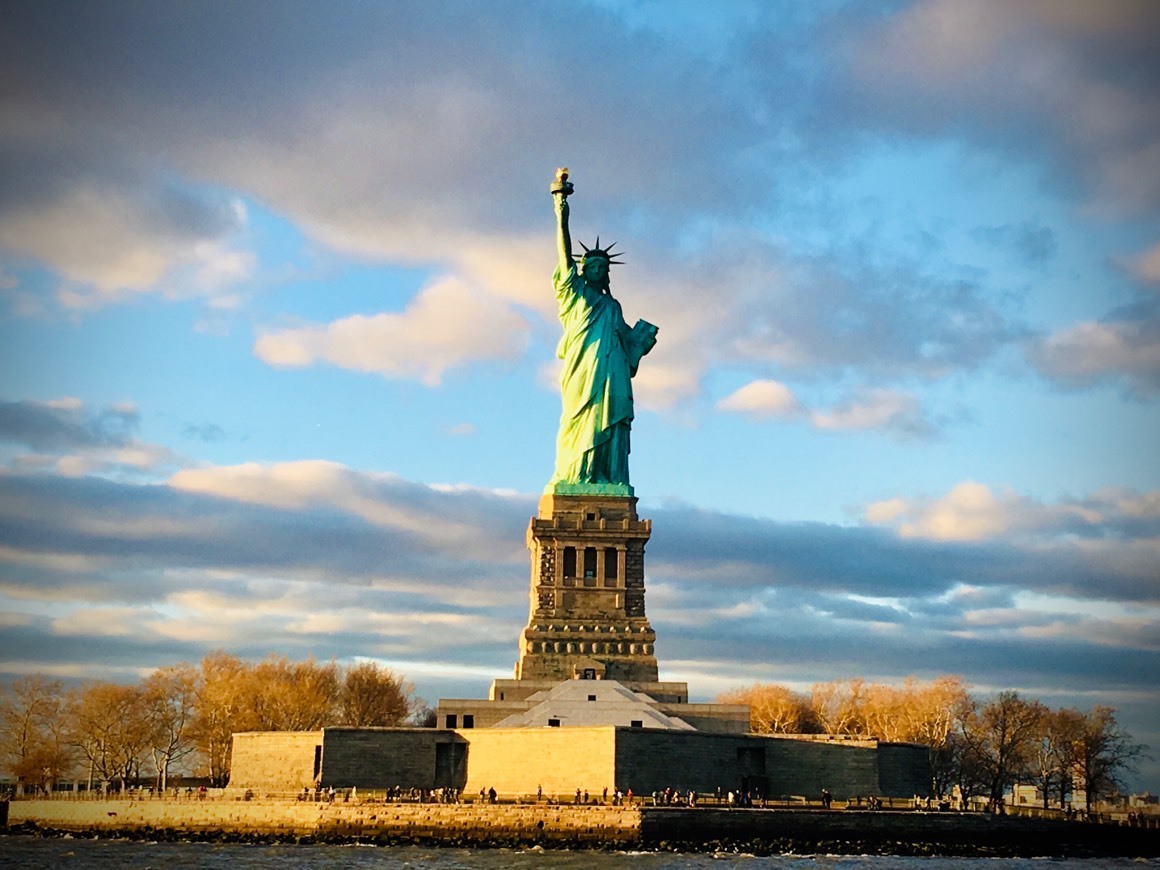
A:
(23, 851)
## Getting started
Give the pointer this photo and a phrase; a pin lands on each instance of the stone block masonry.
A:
(517, 761)
(289, 820)
(587, 612)
(514, 761)
(278, 760)
(710, 829)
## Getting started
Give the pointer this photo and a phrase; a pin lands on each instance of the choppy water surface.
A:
(21, 851)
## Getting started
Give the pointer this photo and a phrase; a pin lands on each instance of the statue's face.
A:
(595, 269)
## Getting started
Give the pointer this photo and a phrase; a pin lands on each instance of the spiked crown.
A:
(604, 253)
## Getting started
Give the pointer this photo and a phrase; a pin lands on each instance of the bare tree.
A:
(838, 706)
(999, 741)
(1103, 753)
(170, 697)
(31, 731)
(224, 704)
(374, 696)
(108, 724)
(773, 709)
(294, 696)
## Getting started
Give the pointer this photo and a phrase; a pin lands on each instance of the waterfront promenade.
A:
(763, 831)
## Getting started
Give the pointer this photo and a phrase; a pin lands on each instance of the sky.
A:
(277, 333)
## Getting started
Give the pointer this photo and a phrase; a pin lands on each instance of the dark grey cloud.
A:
(61, 427)
(1072, 86)
(162, 528)
(101, 575)
(748, 553)
(127, 543)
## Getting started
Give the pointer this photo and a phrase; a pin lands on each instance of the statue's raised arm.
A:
(561, 188)
(600, 353)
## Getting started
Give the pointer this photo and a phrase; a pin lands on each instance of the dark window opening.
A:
(468, 720)
(452, 720)
(590, 517)
(569, 561)
(317, 761)
(589, 674)
(501, 696)
(591, 697)
(637, 723)
(589, 561)
(553, 723)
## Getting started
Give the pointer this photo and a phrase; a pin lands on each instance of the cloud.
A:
(315, 558)
(65, 424)
(971, 511)
(1070, 81)
(380, 500)
(110, 241)
(877, 409)
(849, 310)
(448, 325)
(762, 398)
(393, 136)
(1126, 351)
(1146, 265)
(74, 440)
(868, 409)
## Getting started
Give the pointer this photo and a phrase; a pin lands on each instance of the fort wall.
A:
(278, 760)
(560, 760)
(517, 761)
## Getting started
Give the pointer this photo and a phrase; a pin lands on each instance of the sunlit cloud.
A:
(110, 243)
(1147, 265)
(1091, 352)
(762, 398)
(876, 409)
(973, 511)
(448, 325)
(867, 410)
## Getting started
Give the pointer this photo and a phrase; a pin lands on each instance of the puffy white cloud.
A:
(972, 511)
(446, 326)
(762, 398)
(109, 241)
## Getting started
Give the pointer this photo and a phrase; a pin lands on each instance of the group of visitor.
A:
(672, 797)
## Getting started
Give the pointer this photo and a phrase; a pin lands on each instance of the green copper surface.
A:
(601, 354)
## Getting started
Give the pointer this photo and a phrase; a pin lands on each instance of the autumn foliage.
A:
(982, 747)
(182, 717)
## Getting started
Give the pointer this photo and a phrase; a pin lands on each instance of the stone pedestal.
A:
(587, 594)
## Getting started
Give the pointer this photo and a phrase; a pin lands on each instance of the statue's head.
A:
(595, 263)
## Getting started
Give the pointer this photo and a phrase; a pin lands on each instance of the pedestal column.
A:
(587, 616)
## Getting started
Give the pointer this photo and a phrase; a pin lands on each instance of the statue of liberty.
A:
(600, 354)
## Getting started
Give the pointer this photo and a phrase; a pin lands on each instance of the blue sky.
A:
(278, 333)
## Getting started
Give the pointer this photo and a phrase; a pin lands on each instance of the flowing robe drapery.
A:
(600, 354)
